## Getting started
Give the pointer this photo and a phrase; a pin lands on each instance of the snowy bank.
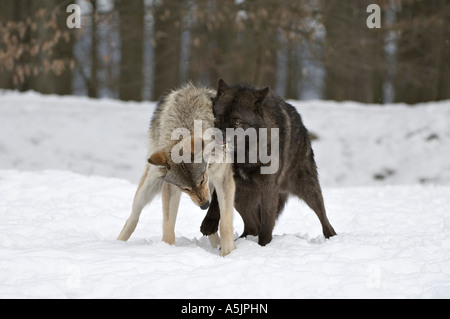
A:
(357, 144)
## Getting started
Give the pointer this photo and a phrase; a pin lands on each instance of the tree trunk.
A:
(260, 45)
(422, 65)
(200, 57)
(22, 11)
(167, 38)
(293, 72)
(443, 21)
(354, 54)
(56, 80)
(131, 13)
(6, 15)
(224, 53)
(93, 79)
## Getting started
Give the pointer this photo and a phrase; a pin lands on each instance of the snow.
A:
(405, 145)
(400, 144)
(69, 168)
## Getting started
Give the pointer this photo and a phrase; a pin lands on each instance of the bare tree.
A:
(131, 14)
(423, 51)
(168, 17)
(260, 41)
(354, 54)
(35, 46)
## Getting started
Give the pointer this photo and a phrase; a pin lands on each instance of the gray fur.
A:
(179, 109)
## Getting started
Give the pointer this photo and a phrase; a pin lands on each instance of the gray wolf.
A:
(179, 109)
(260, 198)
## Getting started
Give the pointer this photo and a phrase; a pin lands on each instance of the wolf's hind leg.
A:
(149, 186)
(170, 201)
(309, 190)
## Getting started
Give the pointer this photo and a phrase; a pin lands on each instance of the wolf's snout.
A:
(205, 205)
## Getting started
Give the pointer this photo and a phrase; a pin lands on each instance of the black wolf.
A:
(260, 198)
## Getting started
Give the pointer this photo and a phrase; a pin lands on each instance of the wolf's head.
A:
(189, 176)
(239, 106)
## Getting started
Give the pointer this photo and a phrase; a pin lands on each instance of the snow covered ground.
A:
(69, 168)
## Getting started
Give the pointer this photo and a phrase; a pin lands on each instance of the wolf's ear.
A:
(159, 159)
(260, 95)
(222, 87)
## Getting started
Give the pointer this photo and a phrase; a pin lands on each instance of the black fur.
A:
(261, 198)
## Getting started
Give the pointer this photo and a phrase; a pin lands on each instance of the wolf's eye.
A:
(237, 123)
(185, 189)
(203, 180)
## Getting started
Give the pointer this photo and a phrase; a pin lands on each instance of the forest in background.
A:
(138, 49)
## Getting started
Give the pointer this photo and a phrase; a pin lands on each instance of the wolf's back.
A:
(179, 109)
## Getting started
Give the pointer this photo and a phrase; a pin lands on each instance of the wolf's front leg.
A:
(210, 224)
(268, 207)
(170, 202)
(225, 196)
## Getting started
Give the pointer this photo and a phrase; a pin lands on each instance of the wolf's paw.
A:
(209, 226)
(226, 248)
(329, 232)
(264, 239)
